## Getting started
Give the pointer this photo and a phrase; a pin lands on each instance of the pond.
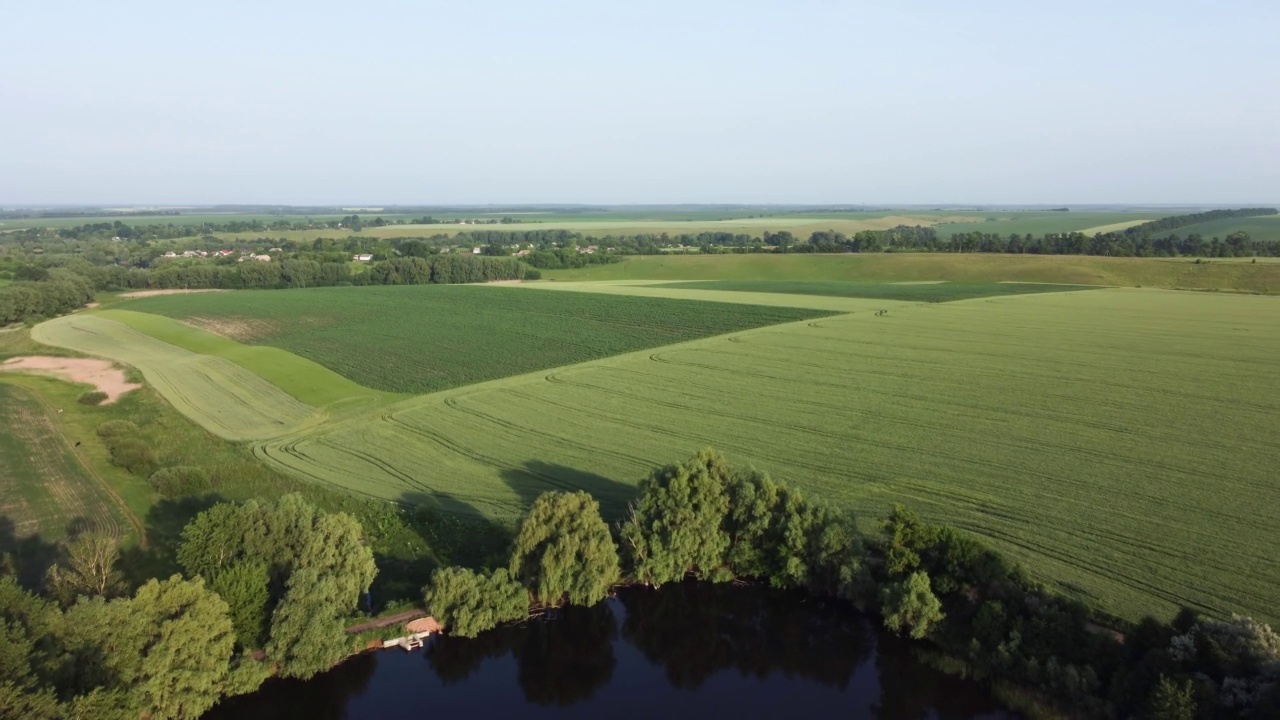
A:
(689, 650)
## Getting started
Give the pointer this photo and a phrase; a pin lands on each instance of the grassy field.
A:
(907, 292)
(220, 395)
(1039, 223)
(1263, 276)
(307, 381)
(1266, 227)
(1117, 441)
(45, 489)
(424, 338)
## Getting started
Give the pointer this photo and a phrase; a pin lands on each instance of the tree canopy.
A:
(564, 552)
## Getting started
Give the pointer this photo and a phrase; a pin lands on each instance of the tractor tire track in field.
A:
(1115, 442)
(78, 493)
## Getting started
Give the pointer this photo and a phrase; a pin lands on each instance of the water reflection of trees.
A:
(694, 631)
(911, 689)
(324, 697)
(559, 661)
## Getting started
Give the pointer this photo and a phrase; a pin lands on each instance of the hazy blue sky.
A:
(604, 102)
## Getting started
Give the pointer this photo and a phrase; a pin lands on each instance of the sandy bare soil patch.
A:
(236, 328)
(98, 373)
(152, 293)
(919, 282)
(503, 282)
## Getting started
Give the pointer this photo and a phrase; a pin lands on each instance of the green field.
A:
(430, 337)
(1039, 223)
(307, 381)
(1241, 275)
(45, 490)
(1117, 441)
(215, 392)
(907, 292)
(1266, 227)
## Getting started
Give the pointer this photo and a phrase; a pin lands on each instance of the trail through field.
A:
(156, 293)
(1119, 442)
(49, 489)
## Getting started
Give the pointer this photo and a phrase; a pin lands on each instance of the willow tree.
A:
(564, 551)
(467, 602)
(676, 527)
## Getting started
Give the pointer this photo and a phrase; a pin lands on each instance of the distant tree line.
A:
(437, 269)
(40, 294)
(1173, 222)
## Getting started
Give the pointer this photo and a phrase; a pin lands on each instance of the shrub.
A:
(116, 429)
(93, 397)
(132, 454)
(467, 602)
(532, 274)
(180, 480)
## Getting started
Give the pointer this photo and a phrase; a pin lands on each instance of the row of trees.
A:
(284, 576)
(60, 291)
(708, 520)
(940, 583)
(309, 273)
(1173, 222)
(279, 576)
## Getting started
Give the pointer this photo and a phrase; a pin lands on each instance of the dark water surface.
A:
(685, 651)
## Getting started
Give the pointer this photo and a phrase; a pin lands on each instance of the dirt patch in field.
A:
(237, 328)
(153, 293)
(503, 282)
(99, 373)
(919, 282)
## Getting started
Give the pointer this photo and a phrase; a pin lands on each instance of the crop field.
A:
(907, 292)
(44, 488)
(218, 394)
(1039, 223)
(1266, 227)
(424, 338)
(307, 381)
(1180, 273)
(1120, 442)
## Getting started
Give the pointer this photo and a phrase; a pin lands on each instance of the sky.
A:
(800, 101)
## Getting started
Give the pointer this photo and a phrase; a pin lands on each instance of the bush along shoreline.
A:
(1047, 655)
(269, 588)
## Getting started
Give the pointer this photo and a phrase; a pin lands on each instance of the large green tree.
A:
(676, 527)
(564, 552)
(244, 587)
(467, 602)
(164, 653)
(318, 565)
(910, 606)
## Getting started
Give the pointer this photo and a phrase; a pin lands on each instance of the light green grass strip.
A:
(216, 393)
(305, 380)
(642, 288)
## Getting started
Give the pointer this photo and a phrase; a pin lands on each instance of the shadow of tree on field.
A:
(454, 531)
(26, 558)
(537, 477)
(164, 523)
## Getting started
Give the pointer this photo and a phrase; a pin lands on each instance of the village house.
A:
(362, 258)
